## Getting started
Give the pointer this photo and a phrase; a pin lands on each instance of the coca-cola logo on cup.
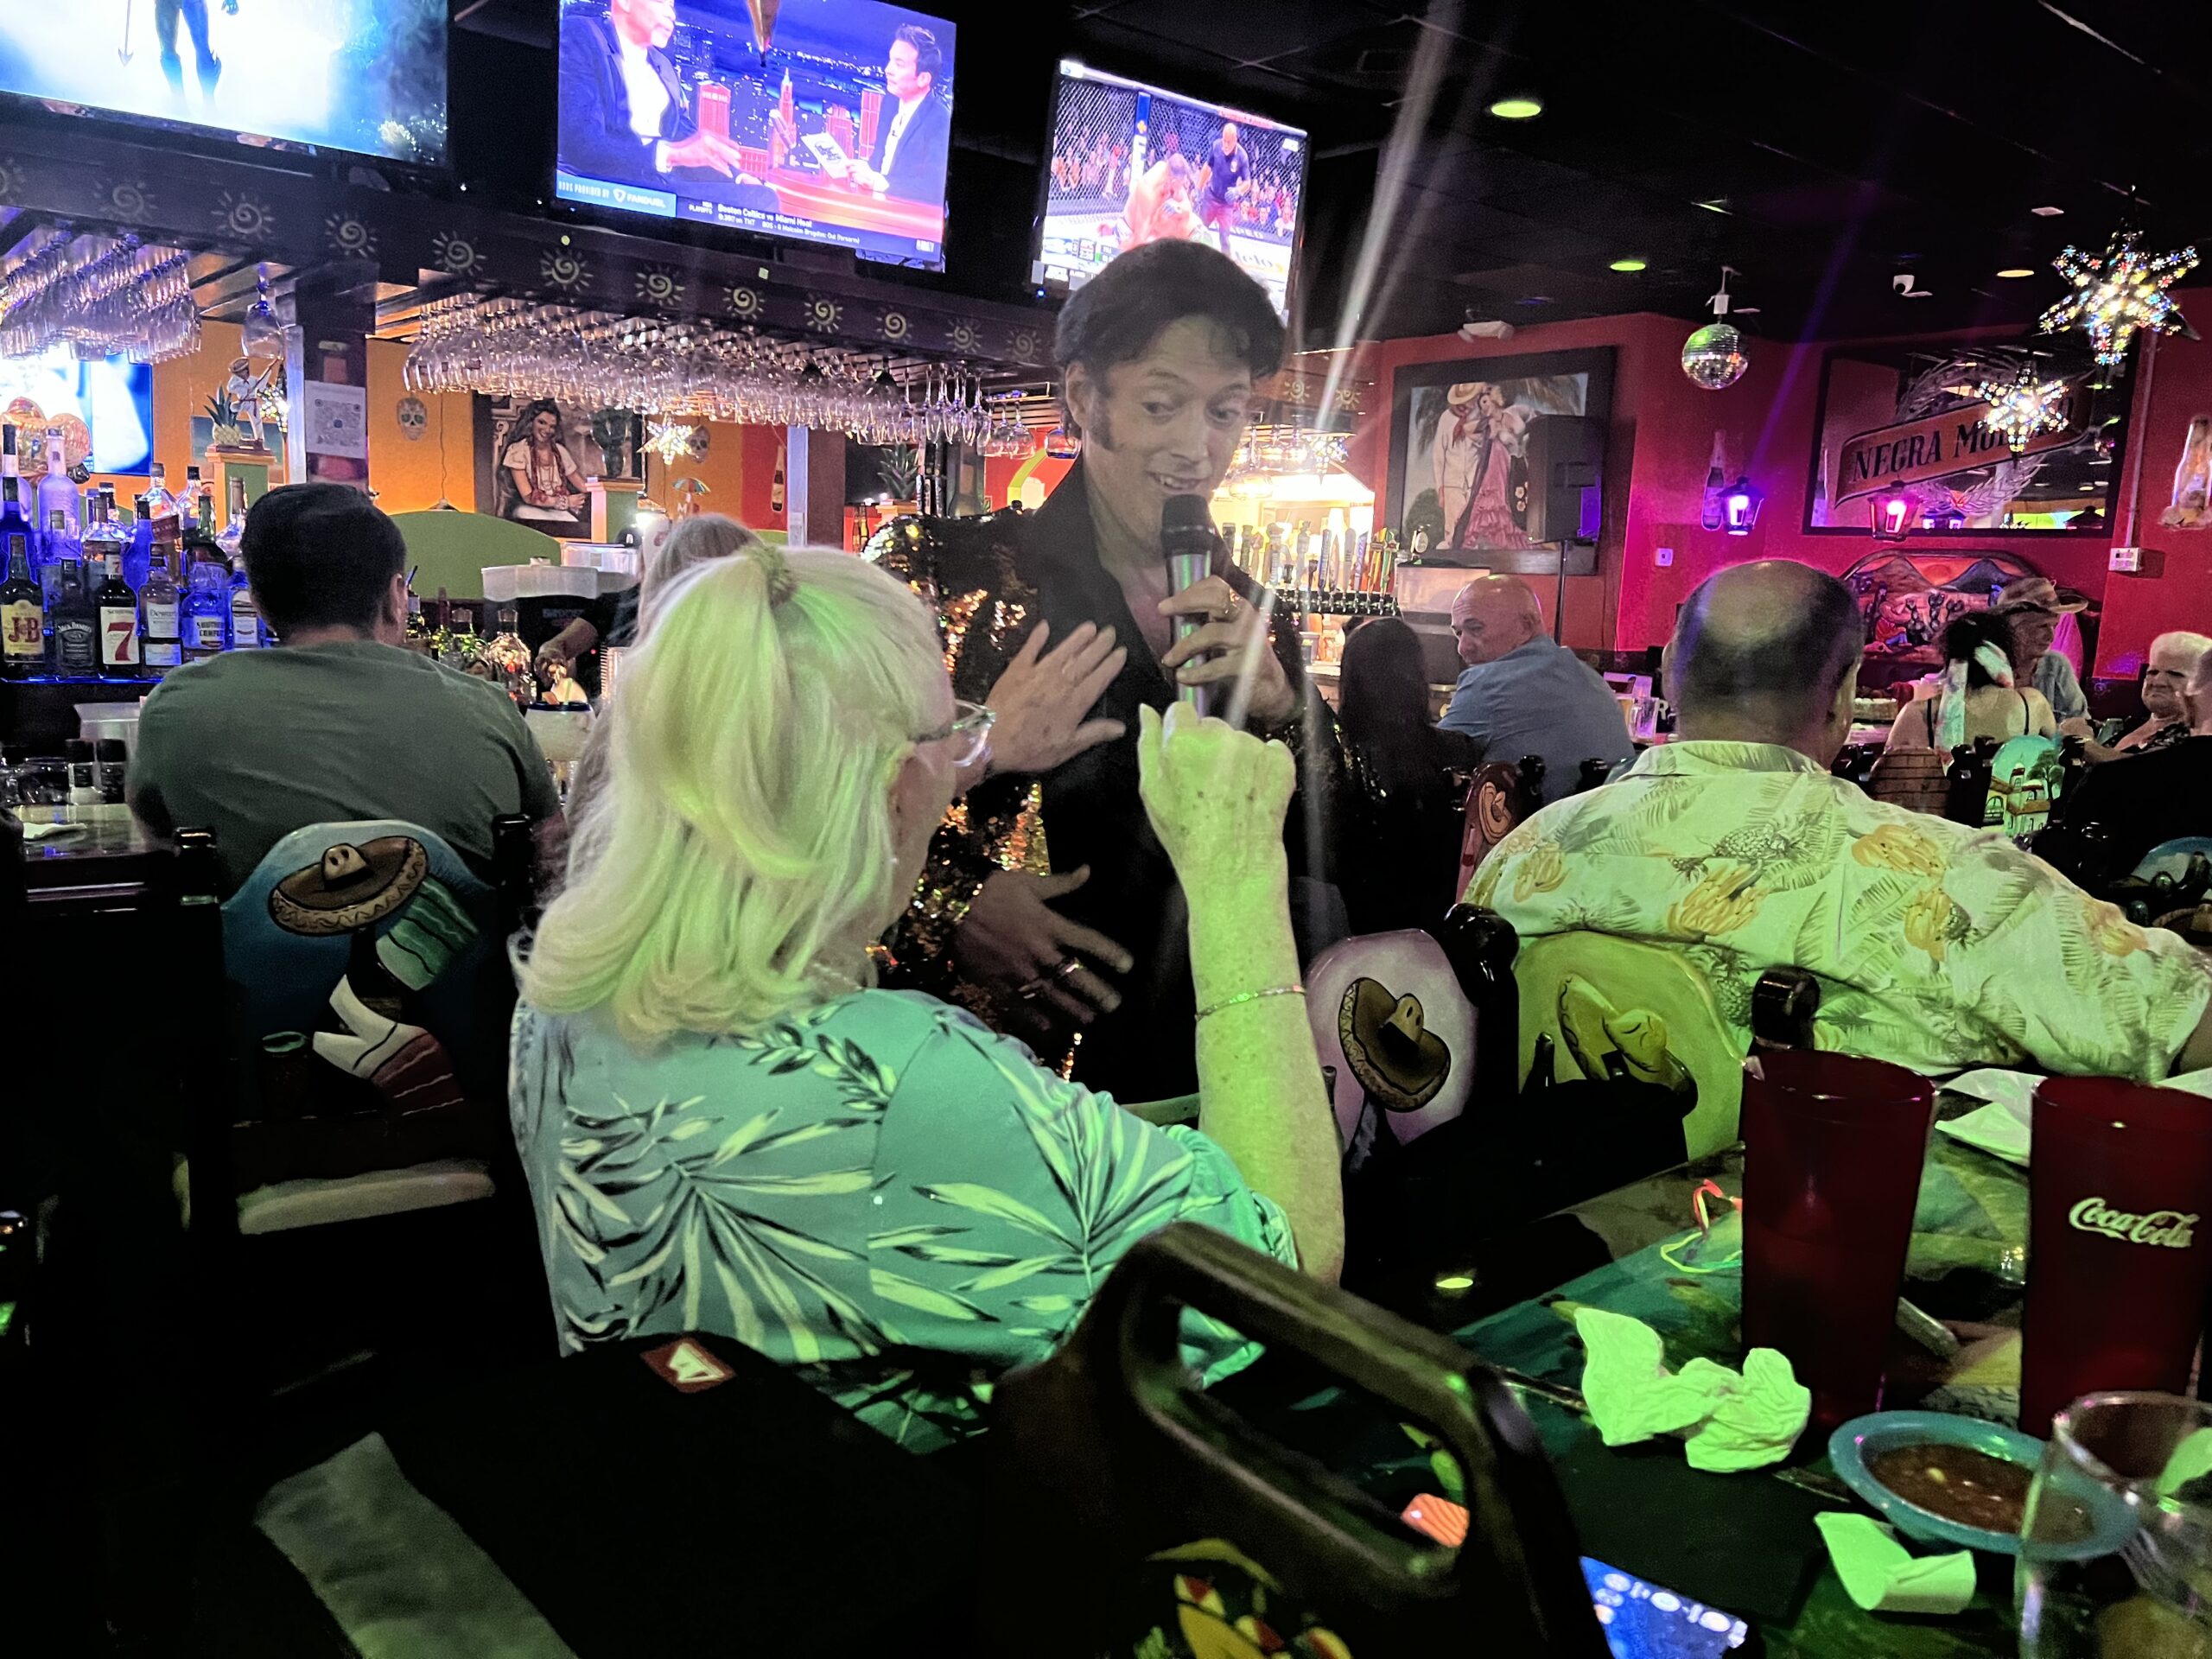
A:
(2168, 1227)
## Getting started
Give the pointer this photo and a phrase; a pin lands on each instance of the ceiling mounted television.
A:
(363, 76)
(826, 121)
(1132, 164)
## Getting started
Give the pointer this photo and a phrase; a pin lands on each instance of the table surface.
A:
(104, 845)
(1972, 1216)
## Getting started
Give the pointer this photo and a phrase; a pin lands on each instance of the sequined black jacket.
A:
(991, 578)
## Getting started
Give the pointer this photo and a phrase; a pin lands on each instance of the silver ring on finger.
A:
(1066, 967)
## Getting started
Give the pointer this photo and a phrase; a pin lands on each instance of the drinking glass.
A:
(2120, 1180)
(1833, 1148)
(2116, 1550)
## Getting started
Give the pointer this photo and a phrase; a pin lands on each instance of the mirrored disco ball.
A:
(1714, 357)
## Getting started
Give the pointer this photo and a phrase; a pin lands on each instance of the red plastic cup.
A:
(2119, 1183)
(1834, 1147)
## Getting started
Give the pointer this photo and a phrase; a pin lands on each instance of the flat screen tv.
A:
(364, 76)
(826, 121)
(111, 399)
(1132, 164)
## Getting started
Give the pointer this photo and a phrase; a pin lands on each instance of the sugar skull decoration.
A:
(414, 419)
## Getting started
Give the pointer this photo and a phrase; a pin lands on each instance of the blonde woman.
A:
(727, 1128)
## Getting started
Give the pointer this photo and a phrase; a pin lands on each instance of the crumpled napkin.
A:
(2001, 1127)
(1882, 1576)
(1731, 1420)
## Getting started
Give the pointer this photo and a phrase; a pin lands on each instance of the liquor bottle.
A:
(187, 504)
(117, 608)
(246, 632)
(205, 612)
(463, 650)
(233, 530)
(76, 624)
(22, 614)
(1710, 511)
(418, 629)
(776, 483)
(13, 516)
(56, 490)
(509, 660)
(160, 505)
(57, 539)
(159, 645)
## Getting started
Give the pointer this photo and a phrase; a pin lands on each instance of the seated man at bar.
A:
(867, 1185)
(340, 722)
(1523, 694)
(2118, 813)
(1937, 945)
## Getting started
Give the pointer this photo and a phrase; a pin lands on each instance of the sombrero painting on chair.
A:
(1390, 1019)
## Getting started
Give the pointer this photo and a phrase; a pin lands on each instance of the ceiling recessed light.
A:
(1630, 263)
(2015, 270)
(2046, 213)
(1520, 107)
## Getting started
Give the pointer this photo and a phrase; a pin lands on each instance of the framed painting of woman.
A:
(535, 457)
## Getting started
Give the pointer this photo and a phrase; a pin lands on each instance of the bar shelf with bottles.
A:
(93, 598)
(1325, 576)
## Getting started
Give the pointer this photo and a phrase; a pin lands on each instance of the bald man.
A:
(1937, 945)
(1522, 694)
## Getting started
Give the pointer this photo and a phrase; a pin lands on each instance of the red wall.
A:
(1662, 439)
(2173, 385)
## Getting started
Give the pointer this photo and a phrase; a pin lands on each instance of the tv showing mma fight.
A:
(1133, 164)
(367, 76)
(824, 121)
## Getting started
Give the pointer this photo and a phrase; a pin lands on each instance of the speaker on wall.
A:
(1566, 456)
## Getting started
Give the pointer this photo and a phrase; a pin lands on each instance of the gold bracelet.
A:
(1252, 997)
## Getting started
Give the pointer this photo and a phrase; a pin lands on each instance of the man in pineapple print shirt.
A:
(1937, 945)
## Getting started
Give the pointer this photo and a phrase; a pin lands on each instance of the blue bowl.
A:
(1855, 1445)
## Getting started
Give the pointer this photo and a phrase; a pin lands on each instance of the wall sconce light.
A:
(1893, 512)
(1740, 504)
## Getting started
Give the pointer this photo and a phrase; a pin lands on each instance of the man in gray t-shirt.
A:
(339, 722)
(1523, 694)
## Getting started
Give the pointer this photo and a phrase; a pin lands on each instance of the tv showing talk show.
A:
(1132, 164)
(824, 121)
(365, 76)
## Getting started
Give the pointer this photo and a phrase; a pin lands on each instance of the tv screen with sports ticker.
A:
(1132, 164)
(365, 76)
(825, 121)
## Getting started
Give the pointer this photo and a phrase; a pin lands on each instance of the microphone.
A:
(1187, 536)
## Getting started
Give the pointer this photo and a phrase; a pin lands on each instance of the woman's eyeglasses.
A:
(969, 733)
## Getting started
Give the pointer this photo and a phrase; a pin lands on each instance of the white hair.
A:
(2189, 647)
(740, 851)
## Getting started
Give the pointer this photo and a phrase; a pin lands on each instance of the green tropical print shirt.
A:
(878, 1191)
(1937, 945)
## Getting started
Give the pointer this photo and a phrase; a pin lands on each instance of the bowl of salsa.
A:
(1939, 1478)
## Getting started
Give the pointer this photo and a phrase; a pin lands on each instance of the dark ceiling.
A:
(1817, 148)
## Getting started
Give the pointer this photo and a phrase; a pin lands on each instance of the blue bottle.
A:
(139, 553)
(204, 617)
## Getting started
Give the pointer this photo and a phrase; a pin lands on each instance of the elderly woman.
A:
(2173, 659)
(1048, 908)
(727, 1127)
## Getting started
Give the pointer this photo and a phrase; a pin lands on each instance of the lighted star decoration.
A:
(2117, 293)
(2021, 409)
(671, 440)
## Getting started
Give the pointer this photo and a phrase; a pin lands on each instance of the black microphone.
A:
(1187, 536)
